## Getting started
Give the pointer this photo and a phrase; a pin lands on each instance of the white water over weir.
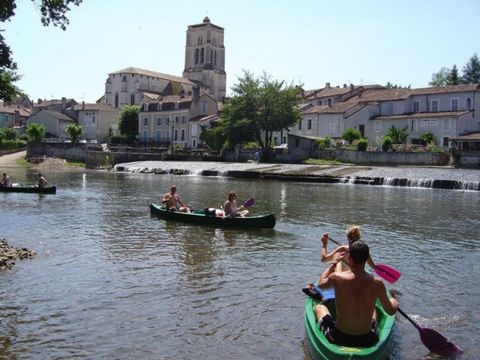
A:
(437, 177)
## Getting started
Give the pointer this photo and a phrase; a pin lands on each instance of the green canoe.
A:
(199, 217)
(29, 189)
(321, 348)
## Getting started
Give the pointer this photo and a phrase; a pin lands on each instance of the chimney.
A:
(352, 86)
(64, 103)
(327, 85)
(83, 105)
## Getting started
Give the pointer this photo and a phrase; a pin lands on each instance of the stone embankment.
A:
(428, 177)
(9, 254)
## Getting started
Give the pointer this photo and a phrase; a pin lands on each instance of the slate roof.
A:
(421, 115)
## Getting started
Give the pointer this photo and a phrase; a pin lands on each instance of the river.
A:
(111, 282)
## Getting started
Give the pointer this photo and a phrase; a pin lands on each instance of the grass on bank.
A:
(312, 161)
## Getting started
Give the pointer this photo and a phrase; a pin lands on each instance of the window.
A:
(196, 55)
(145, 121)
(202, 56)
(159, 121)
(93, 118)
(434, 106)
(158, 136)
(175, 136)
(204, 106)
(182, 136)
(145, 107)
(309, 124)
(377, 125)
(445, 141)
(176, 119)
(416, 106)
(454, 105)
(132, 99)
(184, 119)
(194, 143)
(429, 122)
(194, 129)
(275, 141)
(300, 125)
(167, 120)
(329, 102)
(446, 124)
(284, 140)
(469, 104)
(388, 108)
(116, 100)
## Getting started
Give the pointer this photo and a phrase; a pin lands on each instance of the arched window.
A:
(202, 56)
(116, 100)
(132, 99)
(196, 56)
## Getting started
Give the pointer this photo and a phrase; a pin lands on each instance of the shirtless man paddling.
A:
(355, 294)
(173, 202)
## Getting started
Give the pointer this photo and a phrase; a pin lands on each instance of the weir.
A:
(253, 173)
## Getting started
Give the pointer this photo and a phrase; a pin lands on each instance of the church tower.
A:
(205, 58)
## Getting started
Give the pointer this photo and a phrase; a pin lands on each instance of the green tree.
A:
(398, 136)
(259, 107)
(52, 12)
(351, 134)
(440, 78)
(128, 122)
(36, 132)
(471, 71)
(74, 131)
(454, 78)
(362, 145)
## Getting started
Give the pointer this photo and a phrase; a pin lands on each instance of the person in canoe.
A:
(41, 181)
(353, 234)
(356, 292)
(230, 207)
(6, 180)
(172, 201)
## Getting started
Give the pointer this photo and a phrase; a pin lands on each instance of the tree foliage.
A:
(351, 134)
(471, 71)
(74, 131)
(454, 77)
(390, 85)
(36, 132)
(441, 77)
(258, 107)
(128, 121)
(398, 136)
(52, 12)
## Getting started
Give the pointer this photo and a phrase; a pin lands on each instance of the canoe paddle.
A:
(249, 203)
(386, 272)
(434, 341)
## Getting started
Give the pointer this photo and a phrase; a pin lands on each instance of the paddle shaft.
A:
(408, 318)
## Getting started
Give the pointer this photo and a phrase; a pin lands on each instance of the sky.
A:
(304, 42)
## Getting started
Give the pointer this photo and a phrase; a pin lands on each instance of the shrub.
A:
(325, 143)
(362, 145)
(387, 143)
(36, 132)
(427, 138)
(350, 135)
(119, 139)
(24, 137)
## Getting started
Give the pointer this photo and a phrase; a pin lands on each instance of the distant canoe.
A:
(29, 189)
(199, 217)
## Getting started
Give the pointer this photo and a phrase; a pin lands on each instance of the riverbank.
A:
(430, 177)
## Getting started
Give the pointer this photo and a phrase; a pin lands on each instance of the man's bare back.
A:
(355, 317)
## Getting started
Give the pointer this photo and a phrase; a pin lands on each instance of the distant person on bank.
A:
(6, 180)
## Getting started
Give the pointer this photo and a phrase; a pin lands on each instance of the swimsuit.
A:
(335, 336)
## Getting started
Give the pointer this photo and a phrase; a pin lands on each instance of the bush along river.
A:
(109, 281)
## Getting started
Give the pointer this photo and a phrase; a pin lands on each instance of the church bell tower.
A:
(205, 58)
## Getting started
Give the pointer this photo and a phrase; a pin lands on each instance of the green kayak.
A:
(321, 348)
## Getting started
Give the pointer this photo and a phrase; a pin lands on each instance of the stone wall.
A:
(67, 151)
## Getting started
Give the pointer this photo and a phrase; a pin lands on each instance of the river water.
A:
(111, 282)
